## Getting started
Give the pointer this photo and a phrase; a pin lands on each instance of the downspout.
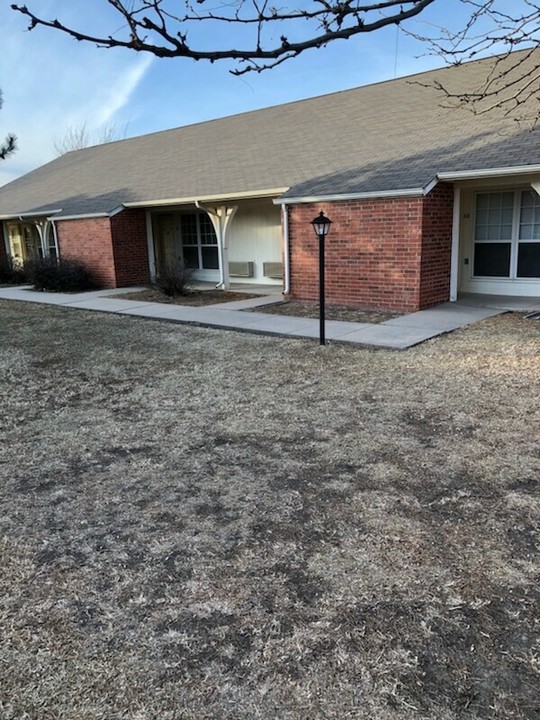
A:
(454, 262)
(286, 250)
(55, 236)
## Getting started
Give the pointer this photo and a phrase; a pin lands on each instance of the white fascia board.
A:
(21, 215)
(87, 216)
(191, 200)
(489, 173)
(374, 195)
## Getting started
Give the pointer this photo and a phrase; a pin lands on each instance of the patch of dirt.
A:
(200, 524)
(332, 312)
(194, 298)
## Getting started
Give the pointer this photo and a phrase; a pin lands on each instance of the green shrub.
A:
(14, 272)
(173, 279)
(61, 276)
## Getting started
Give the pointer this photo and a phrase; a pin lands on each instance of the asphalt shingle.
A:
(388, 136)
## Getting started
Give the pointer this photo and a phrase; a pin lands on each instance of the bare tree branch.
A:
(77, 137)
(512, 84)
(271, 35)
(154, 26)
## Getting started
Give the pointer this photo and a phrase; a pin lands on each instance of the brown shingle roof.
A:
(388, 136)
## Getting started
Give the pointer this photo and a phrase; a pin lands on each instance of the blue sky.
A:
(51, 82)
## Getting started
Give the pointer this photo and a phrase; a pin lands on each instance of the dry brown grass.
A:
(212, 525)
(332, 312)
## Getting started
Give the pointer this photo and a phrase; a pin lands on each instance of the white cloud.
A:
(118, 95)
(55, 83)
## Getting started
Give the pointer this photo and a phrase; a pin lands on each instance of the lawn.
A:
(207, 525)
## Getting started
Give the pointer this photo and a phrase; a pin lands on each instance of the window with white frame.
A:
(199, 242)
(507, 235)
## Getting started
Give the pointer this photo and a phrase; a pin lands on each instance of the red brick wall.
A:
(391, 254)
(436, 245)
(89, 241)
(130, 248)
(373, 253)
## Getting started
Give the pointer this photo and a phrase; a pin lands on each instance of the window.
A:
(528, 254)
(199, 242)
(507, 235)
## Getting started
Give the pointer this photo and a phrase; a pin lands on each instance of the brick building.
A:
(426, 200)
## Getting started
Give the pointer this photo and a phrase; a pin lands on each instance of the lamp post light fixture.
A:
(321, 225)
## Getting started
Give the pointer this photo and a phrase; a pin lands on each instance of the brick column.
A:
(130, 248)
(436, 245)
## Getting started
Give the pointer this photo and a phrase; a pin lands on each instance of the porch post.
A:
(221, 218)
(42, 227)
(454, 263)
(150, 246)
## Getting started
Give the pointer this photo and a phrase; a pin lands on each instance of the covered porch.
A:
(222, 241)
(30, 237)
(496, 237)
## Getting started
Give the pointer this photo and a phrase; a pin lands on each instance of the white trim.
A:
(20, 216)
(88, 216)
(489, 172)
(454, 263)
(150, 245)
(193, 200)
(409, 192)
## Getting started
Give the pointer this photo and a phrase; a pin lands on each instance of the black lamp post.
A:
(321, 225)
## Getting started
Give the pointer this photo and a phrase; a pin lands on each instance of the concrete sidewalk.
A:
(400, 333)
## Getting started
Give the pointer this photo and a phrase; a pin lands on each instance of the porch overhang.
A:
(35, 214)
(206, 199)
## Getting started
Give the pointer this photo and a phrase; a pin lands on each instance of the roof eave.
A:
(26, 214)
(371, 195)
(479, 174)
(192, 199)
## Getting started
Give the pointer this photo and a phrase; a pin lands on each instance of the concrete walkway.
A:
(400, 333)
